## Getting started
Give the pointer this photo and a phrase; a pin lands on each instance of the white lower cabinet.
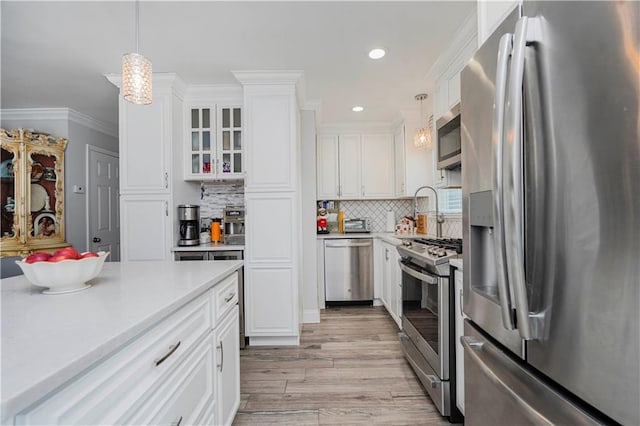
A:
(226, 337)
(184, 370)
(392, 282)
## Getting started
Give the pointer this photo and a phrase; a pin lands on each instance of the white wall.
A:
(80, 130)
(311, 312)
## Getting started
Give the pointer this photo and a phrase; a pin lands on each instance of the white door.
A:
(398, 144)
(227, 336)
(102, 192)
(146, 227)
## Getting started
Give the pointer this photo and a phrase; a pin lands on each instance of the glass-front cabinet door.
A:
(10, 192)
(45, 213)
(31, 192)
(230, 134)
(214, 143)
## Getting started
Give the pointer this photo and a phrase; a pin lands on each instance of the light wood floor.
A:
(348, 369)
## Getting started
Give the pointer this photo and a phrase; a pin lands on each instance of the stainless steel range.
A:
(427, 318)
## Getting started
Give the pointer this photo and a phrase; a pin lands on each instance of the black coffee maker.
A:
(189, 217)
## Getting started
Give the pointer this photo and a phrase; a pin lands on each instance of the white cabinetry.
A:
(182, 370)
(150, 135)
(145, 145)
(355, 166)
(272, 182)
(226, 336)
(214, 147)
(392, 282)
(328, 177)
(490, 13)
(413, 166)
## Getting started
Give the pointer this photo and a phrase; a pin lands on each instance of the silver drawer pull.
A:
(177, 422)
(221, 347)
(172, 349)
(229, 297)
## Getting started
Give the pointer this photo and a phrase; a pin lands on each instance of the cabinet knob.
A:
(97, 239)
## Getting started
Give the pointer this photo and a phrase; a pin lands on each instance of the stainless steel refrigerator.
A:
(551, 193)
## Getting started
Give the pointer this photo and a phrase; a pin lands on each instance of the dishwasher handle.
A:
(348, 243)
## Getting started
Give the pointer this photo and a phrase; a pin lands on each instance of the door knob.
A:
(96, 239)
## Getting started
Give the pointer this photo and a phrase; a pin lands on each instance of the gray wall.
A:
(79, 136)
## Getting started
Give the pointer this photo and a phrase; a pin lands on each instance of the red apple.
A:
(88, 254)
(59, 257)
(68, 253)
(37, 257)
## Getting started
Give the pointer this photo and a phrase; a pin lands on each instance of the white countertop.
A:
(209, 247)
(48, 339)
(456, 263)
(389, 236)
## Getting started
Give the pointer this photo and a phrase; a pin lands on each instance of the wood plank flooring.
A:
(349, 369)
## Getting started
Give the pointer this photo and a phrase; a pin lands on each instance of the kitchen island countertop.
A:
(49, 339)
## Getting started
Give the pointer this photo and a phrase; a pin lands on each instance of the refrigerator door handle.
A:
(513, 194)
(504, 292)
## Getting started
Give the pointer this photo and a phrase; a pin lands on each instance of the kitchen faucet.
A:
(439, 219)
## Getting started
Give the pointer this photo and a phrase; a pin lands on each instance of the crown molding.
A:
(465, 34)
(268, 77)
(214, 93)
(168, 80)
(356, 127)
(60, 114)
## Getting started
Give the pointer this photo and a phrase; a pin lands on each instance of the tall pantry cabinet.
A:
(272, 201)
(149, 135)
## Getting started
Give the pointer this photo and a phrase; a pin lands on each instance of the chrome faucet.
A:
(439, 219)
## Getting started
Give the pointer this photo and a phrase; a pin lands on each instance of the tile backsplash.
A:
(377, 210)
(219, 195)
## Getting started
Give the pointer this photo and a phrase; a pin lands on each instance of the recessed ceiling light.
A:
(377, 53)
(357, 109)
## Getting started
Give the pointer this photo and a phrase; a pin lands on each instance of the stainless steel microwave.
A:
(449, 141)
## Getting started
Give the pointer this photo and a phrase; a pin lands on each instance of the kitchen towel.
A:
(391, 221)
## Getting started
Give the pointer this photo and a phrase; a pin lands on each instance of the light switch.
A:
(78, 189)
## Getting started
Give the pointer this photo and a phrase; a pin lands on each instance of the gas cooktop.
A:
(431, 252)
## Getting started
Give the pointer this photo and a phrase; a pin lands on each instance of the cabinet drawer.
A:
(113, 389)
(225, 297)
(187, 396)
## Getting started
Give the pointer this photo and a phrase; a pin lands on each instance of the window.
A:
(450, 200)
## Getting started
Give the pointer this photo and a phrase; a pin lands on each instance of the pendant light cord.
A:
(137, 26)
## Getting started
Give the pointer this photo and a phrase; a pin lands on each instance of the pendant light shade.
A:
(137, 77)
(137, 74)
(422, 138)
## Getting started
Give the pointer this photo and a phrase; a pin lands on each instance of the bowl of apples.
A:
(64, 271)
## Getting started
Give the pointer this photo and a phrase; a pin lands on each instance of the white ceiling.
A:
(54, 54)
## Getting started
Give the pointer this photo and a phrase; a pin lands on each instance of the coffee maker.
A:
(189, 218)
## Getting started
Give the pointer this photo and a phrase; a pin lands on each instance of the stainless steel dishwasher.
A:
(348, 270)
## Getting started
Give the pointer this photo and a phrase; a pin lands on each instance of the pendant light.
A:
(422, 138)
(137, 75)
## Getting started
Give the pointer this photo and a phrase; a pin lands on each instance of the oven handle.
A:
(429, 279)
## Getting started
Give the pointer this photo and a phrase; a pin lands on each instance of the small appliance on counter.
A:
(233, 218)
(189, 217)
(356, 226)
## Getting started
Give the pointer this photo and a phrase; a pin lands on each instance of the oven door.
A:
(425, 315)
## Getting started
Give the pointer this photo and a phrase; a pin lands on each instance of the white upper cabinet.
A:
(399, 160)
(350, 166)
(413, 165)
(377, 166)
(355, 166)
(214, 147)
(490, 14)
(327, 167)
(145, 145)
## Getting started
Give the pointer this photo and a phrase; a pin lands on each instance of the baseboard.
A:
(274, 341)
(311, 316)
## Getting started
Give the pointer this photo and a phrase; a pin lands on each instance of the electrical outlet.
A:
(78, 189)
